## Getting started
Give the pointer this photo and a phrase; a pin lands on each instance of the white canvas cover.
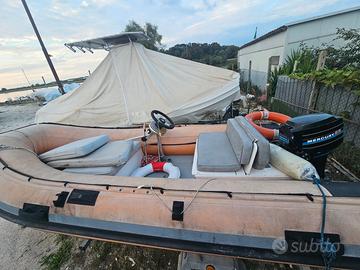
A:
(132, 81)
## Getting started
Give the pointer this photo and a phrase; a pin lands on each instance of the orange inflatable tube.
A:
(266, 115)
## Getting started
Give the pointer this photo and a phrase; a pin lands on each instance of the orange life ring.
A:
(266, 115)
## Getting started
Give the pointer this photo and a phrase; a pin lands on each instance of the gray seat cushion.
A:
(114, 153)
(241, 143)
(215, 153)
(93, 170)
(262, 158)
(75, 149)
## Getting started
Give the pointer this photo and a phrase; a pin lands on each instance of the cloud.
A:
(182, 21)
(211, 19)
(218, 17)
(298, 8)
(64, 9)
(103, 3)
(84, 4)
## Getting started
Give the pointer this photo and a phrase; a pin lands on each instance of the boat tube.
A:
(223, 213)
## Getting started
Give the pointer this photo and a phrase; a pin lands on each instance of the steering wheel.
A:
(162, 120)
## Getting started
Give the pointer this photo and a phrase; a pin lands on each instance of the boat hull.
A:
(223, 216)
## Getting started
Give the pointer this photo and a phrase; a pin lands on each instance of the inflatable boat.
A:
(219, 189)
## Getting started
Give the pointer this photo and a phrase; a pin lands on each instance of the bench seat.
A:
(114, 153)
(240, 145)
(216, 153)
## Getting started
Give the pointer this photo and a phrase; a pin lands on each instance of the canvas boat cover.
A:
(132, 81)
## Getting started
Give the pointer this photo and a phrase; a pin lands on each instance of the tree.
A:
(349, 54)
(211, 54)
(150, 30)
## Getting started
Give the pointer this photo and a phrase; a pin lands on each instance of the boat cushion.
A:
(241, 143)
(114, 153)
(132, 164)
(215, 153)
(93, 170)
(75, 149)
(262, 158)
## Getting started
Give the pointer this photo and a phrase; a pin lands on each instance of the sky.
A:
(183, 21)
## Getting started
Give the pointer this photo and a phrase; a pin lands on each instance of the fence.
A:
(302, 97)
(296, 97)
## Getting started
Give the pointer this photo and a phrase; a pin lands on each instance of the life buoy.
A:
(268, 133)
(173, 171)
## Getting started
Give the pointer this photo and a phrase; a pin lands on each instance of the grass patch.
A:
(56, 259)
(113, 256)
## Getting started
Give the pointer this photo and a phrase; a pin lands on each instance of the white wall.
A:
(315, 33)
(312, 33)
(260, 52)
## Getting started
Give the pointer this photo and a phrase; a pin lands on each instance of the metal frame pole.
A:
(61, 89)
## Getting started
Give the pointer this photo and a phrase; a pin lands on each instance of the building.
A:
(257, 57)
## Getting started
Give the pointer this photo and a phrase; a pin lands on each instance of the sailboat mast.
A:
(61, 89)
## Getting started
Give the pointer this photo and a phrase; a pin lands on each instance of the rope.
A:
(327, 249)
(189, 204)
(4, 147)
(197, 192)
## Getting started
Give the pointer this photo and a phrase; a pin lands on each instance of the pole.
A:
(23, 71)
(61, 89)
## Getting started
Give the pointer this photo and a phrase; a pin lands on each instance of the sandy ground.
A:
(21, 248)
(14, 116)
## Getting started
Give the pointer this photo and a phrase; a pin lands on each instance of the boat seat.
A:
(75, 149)
(93, 170)
(215, 153)
(126, 169)
(112, 154)
(262, 157)
(240, 144)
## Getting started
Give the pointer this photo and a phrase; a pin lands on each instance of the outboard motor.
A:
(313, 137)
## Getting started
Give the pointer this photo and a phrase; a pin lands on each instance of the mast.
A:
(61, 89)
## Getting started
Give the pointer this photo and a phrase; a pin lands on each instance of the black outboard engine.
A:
(313, 137)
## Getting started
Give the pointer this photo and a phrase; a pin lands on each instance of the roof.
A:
(267, 35)
(285, 27)
(106, 42)
(335, 13)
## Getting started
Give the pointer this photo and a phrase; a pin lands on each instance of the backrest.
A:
(262, 158)
(75, 149)
(241, 143)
